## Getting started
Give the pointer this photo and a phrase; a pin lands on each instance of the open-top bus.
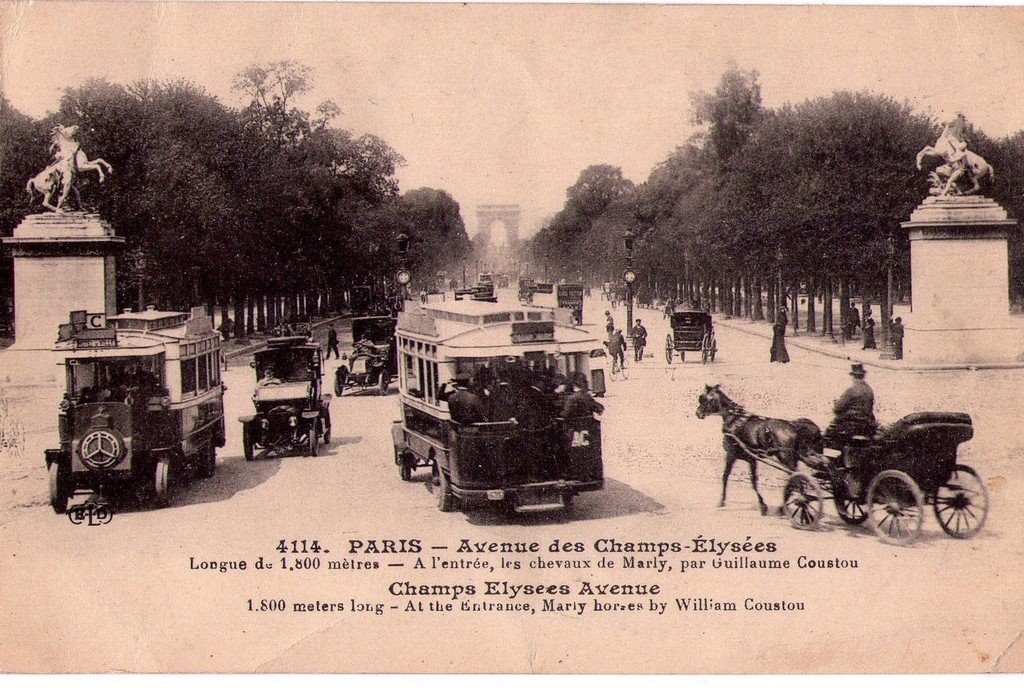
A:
(520, 451)
(143, 402)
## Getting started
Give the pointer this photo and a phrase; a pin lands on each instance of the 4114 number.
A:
(301, 547)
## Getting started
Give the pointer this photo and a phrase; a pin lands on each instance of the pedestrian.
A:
(639, 340)
(778, 352)
(609, 324)
(869, 334)
(226, 328)
(897, 338)
(854, 319)
(332, 342)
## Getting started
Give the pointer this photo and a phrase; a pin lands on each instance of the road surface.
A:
(136, 594)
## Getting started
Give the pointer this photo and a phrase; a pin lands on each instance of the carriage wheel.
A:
(849, 509)
(705, 351)
(802, 501)
(668, 352)
(895, 507)
(961, 503)
(714, 348)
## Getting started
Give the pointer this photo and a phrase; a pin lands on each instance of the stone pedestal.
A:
(959, 270)
(63, 262)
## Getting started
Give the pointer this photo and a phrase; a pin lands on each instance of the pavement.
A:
(940, 605)
(849, 351)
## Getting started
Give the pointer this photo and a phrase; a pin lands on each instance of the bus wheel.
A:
(163, 481)
(446, 501)
(208, 462)
(383, 383)
(59, 487)
(404, 465)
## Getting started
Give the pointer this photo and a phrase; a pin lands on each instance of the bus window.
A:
(188, 376)
(203, 366)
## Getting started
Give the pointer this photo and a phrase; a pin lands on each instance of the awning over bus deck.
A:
(495, 340)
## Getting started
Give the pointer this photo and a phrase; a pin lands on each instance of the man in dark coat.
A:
(855, 415)
(854, 410)
(464, 406)
(332, 342)
(579, 403)
(639, 341)
(897, 338)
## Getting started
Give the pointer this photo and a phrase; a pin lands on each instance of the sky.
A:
(508, 103)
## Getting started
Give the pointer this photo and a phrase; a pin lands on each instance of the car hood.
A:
(282, 392)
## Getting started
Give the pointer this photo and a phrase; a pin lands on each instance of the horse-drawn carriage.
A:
(691, 331)
(886, 479)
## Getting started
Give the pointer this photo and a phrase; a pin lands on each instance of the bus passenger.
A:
(464, 406)
(580, 404)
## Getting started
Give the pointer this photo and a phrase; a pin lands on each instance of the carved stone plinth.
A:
(959, 269)
(63, 262)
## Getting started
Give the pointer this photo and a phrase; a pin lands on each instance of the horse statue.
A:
(952, 148)
(752, 438)
(68, 160)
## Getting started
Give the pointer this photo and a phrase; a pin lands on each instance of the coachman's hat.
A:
(857, 371)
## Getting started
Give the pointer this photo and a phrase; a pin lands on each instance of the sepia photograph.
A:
(439, 338)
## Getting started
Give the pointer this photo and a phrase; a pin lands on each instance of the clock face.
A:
(629, 276)
(404, 277)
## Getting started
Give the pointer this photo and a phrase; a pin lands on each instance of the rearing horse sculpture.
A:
(69, 159)
(782, 441)
(951, 147)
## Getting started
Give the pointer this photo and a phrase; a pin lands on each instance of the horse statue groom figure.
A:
(68, 160)
(952, 148)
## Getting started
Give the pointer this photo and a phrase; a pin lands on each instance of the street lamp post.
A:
(402, 277)
(891, 254)
(629, 277)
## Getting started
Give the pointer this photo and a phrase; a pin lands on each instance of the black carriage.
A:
(374, 361)
(291, 410)
(888, 480)
(691, 331)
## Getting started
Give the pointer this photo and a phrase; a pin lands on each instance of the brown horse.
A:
(780, 441)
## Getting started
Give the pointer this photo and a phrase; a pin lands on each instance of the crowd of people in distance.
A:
(533, 396)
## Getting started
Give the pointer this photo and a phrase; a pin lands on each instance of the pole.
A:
(891, 247)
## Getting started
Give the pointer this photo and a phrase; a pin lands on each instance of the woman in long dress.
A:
(779, 352)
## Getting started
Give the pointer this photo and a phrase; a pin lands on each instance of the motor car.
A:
(291, 411)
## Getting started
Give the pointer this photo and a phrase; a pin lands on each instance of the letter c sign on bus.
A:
(96, 321)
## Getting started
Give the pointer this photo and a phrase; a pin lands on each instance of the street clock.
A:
(629, 276)
(403, 277)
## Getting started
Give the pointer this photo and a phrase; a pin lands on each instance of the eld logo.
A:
(90, 514)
